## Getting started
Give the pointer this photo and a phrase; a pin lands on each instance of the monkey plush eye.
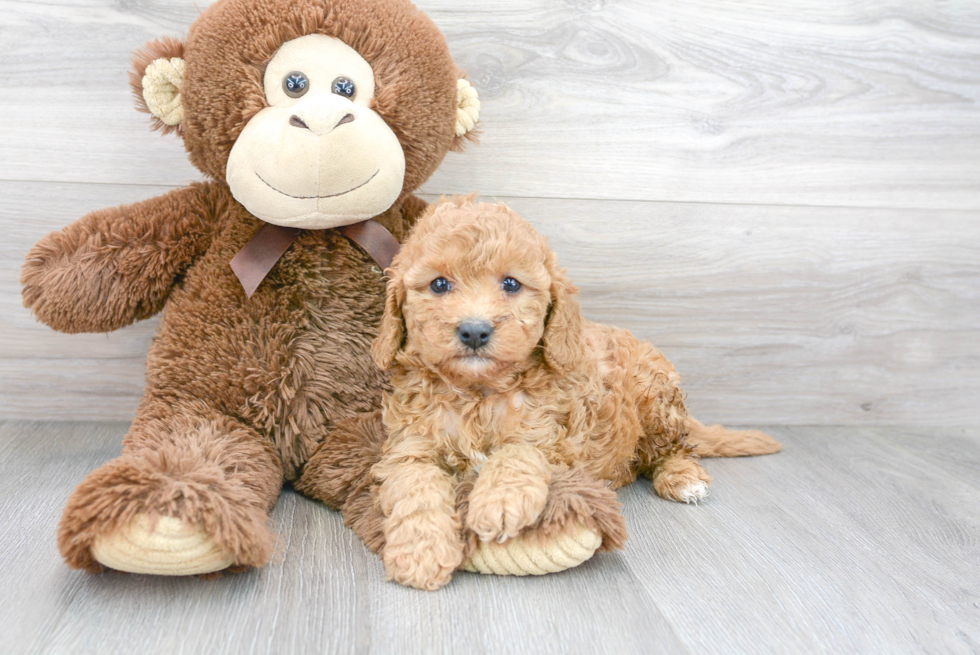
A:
(295, 84)
(343, 87)
(510, 285)
(440, 285)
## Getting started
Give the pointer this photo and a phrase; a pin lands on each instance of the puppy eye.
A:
(295, 84)
(343, 87)
(510, 285)
(440, 285)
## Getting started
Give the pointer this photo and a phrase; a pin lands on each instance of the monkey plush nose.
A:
(322, 114)
(296, 121)
(475, 334)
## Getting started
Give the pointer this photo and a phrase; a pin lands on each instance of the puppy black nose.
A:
(475, 334)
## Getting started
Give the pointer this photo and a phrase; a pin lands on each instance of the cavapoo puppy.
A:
(498, 381)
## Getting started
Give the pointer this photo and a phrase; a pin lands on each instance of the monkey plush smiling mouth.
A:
(318, 156)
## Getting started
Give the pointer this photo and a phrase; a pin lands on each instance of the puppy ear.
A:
(391, 335)
(563, 327)
(156, 78)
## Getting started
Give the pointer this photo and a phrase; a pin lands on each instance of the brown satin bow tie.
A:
(254, 261)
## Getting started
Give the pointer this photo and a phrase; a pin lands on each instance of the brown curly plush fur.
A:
(549, 396)
(239, 392)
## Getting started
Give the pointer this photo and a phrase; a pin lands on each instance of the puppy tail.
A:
(716, 441)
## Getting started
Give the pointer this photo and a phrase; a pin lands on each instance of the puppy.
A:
(498, 381)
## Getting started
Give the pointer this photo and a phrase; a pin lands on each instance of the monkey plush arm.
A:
(116, 266)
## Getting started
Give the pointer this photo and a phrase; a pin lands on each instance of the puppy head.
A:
(476, 295)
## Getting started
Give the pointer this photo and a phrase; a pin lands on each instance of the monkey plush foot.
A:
(196, 508)
(171, 547)
(534, 554)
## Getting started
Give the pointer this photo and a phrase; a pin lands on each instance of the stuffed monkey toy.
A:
(314, 121)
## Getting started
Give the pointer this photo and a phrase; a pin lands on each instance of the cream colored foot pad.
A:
(535, 556)
(173, 548)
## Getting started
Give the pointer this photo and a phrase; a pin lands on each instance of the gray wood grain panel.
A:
(851, 540)
(791, 315)
(871, 103)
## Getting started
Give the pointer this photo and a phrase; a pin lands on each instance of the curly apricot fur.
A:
(550, 392)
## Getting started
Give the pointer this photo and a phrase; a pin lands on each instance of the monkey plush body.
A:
(303, 114)
(239, 392)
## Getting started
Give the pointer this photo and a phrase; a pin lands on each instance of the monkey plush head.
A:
(317, 113)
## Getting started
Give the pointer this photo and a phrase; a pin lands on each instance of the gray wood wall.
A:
(783, 196)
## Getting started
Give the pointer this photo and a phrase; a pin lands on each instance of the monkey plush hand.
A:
(305, 116)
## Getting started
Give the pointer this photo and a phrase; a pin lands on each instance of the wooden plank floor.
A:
(852, 540)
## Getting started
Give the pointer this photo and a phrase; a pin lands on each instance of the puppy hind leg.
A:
(665, 457)
(680, 477)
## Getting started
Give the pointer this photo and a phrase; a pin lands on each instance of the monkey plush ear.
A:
(158, 71)
(467, 114)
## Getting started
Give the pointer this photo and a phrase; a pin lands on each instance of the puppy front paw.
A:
(500, 513)
(423, 550)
